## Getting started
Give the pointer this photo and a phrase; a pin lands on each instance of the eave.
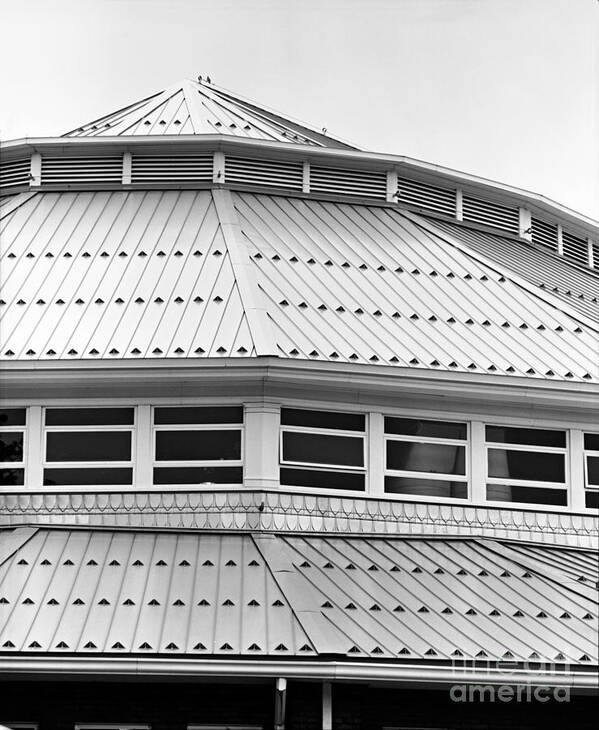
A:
(275, 377)
(198, 668)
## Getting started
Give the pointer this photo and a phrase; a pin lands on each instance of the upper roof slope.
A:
(188, 274)
(199, 107)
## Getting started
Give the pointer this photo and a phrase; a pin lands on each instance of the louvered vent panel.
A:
(595, 255)
(14, 173)
(575, 249)
(171, 168)
(264, 172)
(427, 197)
(360, 183)
(544, 234)
(77, 170)
(488, 213)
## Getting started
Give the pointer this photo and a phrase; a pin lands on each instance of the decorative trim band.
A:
(282, 511)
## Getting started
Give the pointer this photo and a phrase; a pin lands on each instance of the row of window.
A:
(204, 445)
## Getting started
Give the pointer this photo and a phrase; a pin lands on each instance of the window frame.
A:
(198, 463)
(409, 474)
(586, 453)
(317, 466)
(111, 726)
(131, 428)
(564, 486)
(24, 429)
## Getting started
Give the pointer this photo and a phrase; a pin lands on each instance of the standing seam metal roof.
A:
(192, 107)
(171, 274)
(435, 599)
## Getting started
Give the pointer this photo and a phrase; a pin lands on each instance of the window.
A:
(323, 450)
(591, 470)
(198, 445)
(12, 442)
(426, 458)
(526, 465)
(88, 446)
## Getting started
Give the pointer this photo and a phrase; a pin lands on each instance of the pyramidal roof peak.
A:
(200, 108)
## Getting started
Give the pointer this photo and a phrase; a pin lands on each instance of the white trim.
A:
(375, 476)
(110, 726)
(197, 667)
(127, 165)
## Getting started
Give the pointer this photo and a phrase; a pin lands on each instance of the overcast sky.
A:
(506, 89)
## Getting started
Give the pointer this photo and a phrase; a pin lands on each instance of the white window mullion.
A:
(478, 462)
(575, 471)
(144, 448)
(375, 458)
(34, 448)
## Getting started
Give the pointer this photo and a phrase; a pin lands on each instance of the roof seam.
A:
(261, 330)
(556, 302)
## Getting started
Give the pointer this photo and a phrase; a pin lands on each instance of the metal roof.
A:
(199, 107)
(577, 286)
(409, 598)
(185, 274)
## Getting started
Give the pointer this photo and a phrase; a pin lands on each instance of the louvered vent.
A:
(488, 213)
(575, 249)
(544, 234)
(595, 249)
(171, 168)
(264, 172)
(14, 173)
(427, 197)
(77, 170)
(360, 183)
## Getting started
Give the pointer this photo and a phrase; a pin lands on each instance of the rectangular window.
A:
(526, 465)
(322, 449)
(426, 458)
(12, 446)
(88, 446)
(591, 470)
(198, 445)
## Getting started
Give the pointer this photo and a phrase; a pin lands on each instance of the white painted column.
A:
(375, 457)
(392, 186)
(590, 253)
(127, 162)
(261, 445)
(459, 204)
(478, 463)
(218, 167)
(34, 448)
(327, 706)
(306, 177)
(560, 240)
(575, 473)
(525, 224)
(35, 170)
(143, 452)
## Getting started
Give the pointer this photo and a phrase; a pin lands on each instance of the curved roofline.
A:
(308, 152)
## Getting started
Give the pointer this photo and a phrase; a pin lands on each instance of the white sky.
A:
(506, 89)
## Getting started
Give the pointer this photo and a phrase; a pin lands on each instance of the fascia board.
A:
(199, 668)
(359, 382)
(428, 171)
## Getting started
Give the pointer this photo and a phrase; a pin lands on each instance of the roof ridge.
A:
(258, 320)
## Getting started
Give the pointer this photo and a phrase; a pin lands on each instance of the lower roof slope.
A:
(99, 592)
(188, 274)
